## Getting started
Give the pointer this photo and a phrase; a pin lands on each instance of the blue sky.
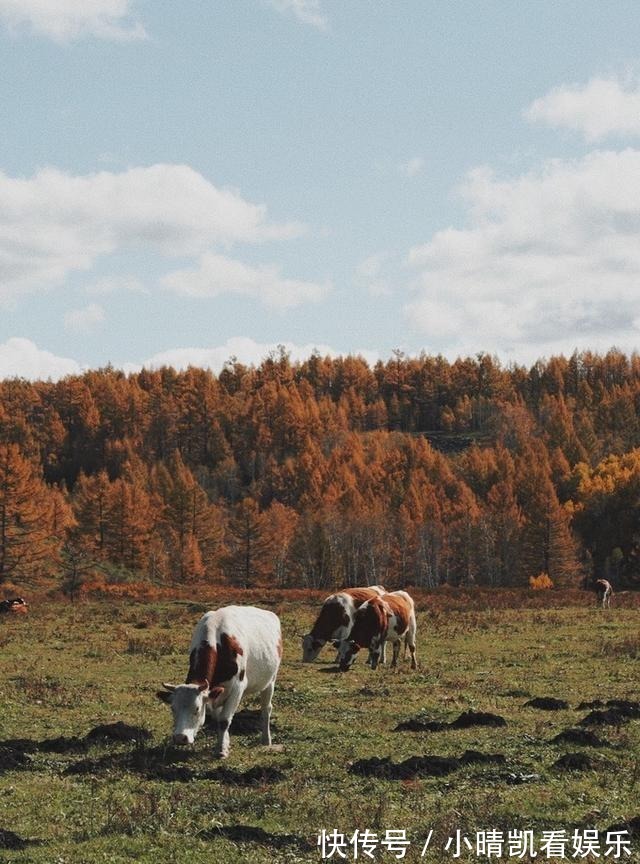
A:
(180, 182)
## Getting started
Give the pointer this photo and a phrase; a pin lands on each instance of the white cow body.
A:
(234, 651)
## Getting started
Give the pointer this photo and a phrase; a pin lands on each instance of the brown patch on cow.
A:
(332, 615)
(241, 675)
(401, 608)
(370, 620)
(228, 650)
(203, 662)
(360, 595)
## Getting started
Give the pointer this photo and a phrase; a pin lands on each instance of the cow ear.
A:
(164, 696)
(169, 687)
(203, 686)
(214, 694)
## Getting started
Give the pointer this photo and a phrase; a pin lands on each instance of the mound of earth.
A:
(477, 718)
(414, 766)
(581, 737)
(607, 717)
(547, 703)
(118, 732)
(574, 762)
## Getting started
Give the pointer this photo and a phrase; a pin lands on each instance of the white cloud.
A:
(247, 351)
(413, 167)
(84, 320)
(218, 274)
(307, 11)
(66, 20)
(20, 358)
(369, 275)
(549, 262)
(53, 223)
(600, 108)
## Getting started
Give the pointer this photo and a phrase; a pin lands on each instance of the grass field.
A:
(66, 669)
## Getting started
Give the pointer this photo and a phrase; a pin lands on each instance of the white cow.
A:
(234, 651)
(335, 619)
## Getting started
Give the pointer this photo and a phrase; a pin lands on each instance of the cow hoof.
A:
(222, 755)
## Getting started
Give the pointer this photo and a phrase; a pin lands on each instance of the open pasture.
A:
(68, 799)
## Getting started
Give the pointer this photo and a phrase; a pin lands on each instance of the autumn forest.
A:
(418, 471)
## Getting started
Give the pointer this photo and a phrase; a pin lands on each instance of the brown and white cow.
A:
(18, 606)
(605, 592)
(389, 617)
(234, 651)
(335, 619)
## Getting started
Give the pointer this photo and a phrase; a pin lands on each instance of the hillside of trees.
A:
(326, 473)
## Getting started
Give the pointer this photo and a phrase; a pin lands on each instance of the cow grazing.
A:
(605, 592)
(334, 622)
(18, 606)
(235, 651)
(389, 617)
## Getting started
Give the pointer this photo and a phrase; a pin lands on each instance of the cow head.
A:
(347, 654)
(311, 647)
(188, 704)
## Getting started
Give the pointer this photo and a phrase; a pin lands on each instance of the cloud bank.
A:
(54, 224)
(602, 108)
(67, 20)
(549, 262)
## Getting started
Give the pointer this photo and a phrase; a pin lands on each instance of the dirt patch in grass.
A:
(118, 732)
(574, 762)
(254, 834)
(170, 764)
(420, 766)
(626, 707)
(420, 724)
(580, 737)
(11, 840)
(465, 721)
(547, 703)
(606, 717)
(474, 757)
(477, 718)
(631, 825)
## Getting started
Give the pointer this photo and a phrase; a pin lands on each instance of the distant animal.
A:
(390, 617)
(334, 621)
(605, 592)
(235, 651)
(17, 605)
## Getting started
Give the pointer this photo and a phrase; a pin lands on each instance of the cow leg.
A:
(411, 641)
(224, 718)
(265, 704)
(396, 653)
(383, 653)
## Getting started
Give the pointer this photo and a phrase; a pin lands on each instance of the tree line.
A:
(327, 472)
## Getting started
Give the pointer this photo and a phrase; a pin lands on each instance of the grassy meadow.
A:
(65, 669)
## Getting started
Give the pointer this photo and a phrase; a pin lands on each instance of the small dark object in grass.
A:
(9, 840)
(631, 825)
(62, 744)
(419, 724)
(257, 776)
(331, 670)
(10, 759)
(581, 737)
(477, 718)
(254, 834)
(608, 717)
(626, 707)
(574, 762)
(415, 766)
(474, 757)
(118, 732)
(547, 703)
